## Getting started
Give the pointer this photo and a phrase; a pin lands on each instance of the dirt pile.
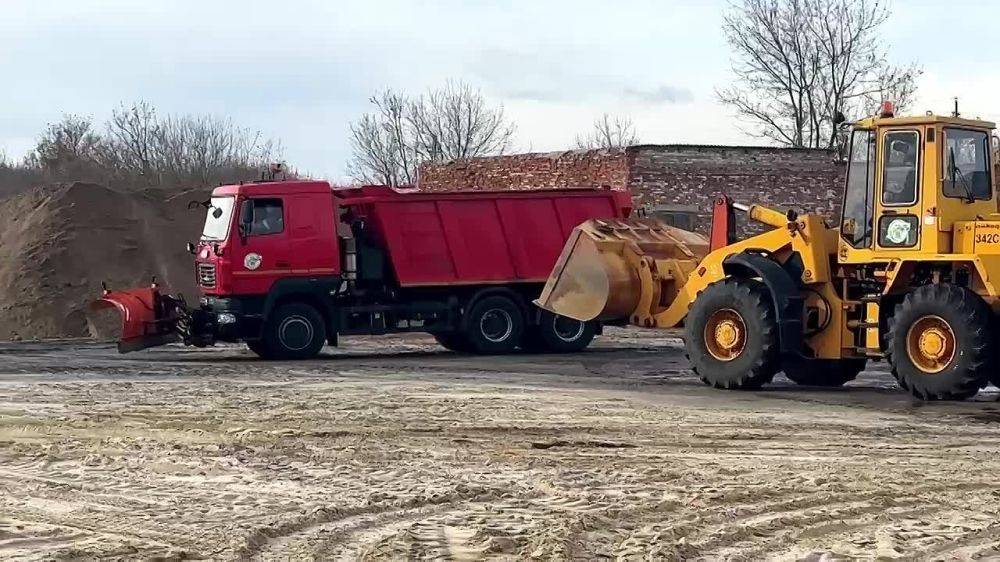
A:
(58, 243)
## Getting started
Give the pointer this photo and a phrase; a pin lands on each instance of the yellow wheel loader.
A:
(910, 275)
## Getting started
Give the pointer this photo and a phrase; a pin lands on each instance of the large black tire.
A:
(740, 308)
(828, 373)
(558, 334)
(958, 317)
(453, 341)
(494, 325)
(294, 331)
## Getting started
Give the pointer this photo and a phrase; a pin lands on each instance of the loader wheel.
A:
(494, 325)
(558, 334)
(294, 331)
(939, 343)
(820, 372)
(453, 341)
(731, 336)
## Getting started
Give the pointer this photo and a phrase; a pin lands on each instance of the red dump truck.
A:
(287, 266)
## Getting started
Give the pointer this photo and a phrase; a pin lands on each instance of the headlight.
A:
(226, 318)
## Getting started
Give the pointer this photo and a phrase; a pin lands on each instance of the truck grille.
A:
(206, 275)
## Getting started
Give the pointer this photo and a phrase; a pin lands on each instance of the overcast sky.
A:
(302, 70)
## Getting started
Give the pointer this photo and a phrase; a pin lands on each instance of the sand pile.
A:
(58, 243)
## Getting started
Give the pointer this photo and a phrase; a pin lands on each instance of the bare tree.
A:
(800, 62)
(456, 122)
(389, 143)
(610, 131)
(66, 145)
(140, 148)
(206, 148)
(382, 146)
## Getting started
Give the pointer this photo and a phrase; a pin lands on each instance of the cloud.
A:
(662, 94)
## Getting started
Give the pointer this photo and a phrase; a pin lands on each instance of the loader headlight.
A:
(898, 231)
(226, 318)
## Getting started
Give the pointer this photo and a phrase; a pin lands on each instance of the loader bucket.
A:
(597, 275)
(147, 320)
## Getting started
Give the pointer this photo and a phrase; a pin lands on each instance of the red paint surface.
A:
(479, 237)
(430, 238)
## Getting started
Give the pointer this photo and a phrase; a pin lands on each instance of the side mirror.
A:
(838, 118)
(191, 247)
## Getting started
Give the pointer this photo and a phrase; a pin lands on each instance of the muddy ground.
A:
(391, 448)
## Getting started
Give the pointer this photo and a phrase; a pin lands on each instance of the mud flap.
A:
(149, 319)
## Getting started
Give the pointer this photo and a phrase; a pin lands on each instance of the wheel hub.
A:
(930, 344)
(496, 325)
(567, 329)
(725, 334)
(295, 333)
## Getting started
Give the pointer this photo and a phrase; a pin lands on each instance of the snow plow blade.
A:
(603, 272)
(149, 319)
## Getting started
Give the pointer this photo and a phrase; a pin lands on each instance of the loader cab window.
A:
(966, 165)
(268, 217)
(902, 157)
(856, 225)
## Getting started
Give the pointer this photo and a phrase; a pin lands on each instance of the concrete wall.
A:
(685, 176)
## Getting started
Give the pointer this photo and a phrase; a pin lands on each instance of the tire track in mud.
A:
(465, 457)
(343, 523)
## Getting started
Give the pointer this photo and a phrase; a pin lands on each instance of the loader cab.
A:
(912, 183)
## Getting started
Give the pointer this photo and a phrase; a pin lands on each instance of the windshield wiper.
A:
(966, 185)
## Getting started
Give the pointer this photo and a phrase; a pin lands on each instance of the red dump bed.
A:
(478, 237)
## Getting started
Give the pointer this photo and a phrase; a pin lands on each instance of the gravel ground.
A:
(390, 448)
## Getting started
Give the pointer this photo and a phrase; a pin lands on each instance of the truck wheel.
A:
(260, 348)
(939, 342)
(821, 372)
(731, 336)
(453, 341)
(559, 334)
(495, 325)
(294, 331)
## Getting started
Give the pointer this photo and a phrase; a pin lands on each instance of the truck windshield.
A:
(217, 219)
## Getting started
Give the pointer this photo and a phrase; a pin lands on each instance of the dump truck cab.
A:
(261, 241)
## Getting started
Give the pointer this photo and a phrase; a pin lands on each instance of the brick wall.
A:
(692, 176)
(662, 175)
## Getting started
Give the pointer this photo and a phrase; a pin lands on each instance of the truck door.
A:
(898, 225)
(312, 234)
(262, 257)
